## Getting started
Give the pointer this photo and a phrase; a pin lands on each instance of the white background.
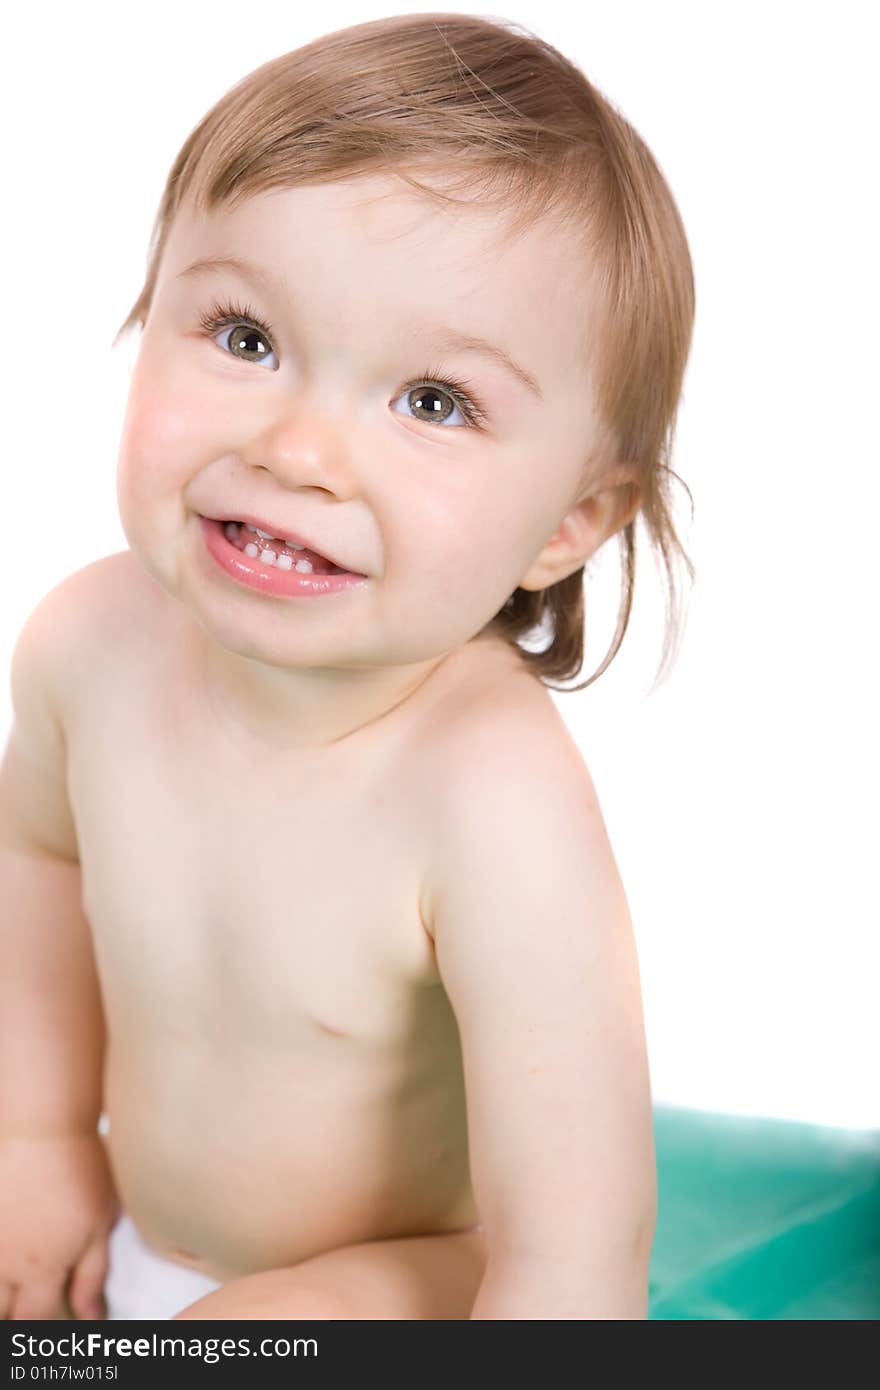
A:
(741, 796)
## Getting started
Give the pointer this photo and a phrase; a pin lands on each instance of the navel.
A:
(329, 1028)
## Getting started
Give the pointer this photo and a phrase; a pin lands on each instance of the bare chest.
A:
(278, 901)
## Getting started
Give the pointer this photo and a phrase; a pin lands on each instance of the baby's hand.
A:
(57, 1207)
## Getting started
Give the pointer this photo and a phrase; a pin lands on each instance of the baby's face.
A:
(312, 422)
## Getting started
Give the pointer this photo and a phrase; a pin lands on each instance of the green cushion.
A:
(764, 1218)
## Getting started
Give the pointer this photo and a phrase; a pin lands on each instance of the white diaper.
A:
(141, 1284)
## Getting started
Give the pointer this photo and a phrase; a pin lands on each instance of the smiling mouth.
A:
(272, 551)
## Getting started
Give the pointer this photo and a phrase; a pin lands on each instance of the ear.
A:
(592, 520)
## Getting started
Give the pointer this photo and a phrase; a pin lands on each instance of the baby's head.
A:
(401, 187)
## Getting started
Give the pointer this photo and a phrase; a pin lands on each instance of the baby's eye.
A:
(246, 342)
(239, 332)
(433, 405)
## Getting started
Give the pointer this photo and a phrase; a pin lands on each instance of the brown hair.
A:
(520, 126)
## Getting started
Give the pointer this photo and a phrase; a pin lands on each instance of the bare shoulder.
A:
(505, 735)
(91, 595)
(83, 616)
(510, 785)
(54, 663)
(107, 593)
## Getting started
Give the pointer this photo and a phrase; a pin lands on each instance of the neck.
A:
(284, 709)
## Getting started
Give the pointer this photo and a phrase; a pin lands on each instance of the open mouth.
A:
(282, 567)
(275, 551)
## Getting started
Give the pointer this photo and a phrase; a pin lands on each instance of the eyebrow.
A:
(448, 339)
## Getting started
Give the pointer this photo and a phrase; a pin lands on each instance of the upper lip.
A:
(285, 534)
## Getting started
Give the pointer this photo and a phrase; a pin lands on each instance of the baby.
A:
(321, 997)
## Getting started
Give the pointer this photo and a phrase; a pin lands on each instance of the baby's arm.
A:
(56, 1193)
(534, 943)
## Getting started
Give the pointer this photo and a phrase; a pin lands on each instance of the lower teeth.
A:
(282, 562)
(267, 557)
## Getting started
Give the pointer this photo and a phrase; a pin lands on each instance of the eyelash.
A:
(229, 314)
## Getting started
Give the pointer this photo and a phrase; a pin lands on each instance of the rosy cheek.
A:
(157, 442)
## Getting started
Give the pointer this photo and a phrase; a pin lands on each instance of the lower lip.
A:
(268, 579)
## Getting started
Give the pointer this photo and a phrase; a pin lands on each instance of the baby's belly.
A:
(237, 1161)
